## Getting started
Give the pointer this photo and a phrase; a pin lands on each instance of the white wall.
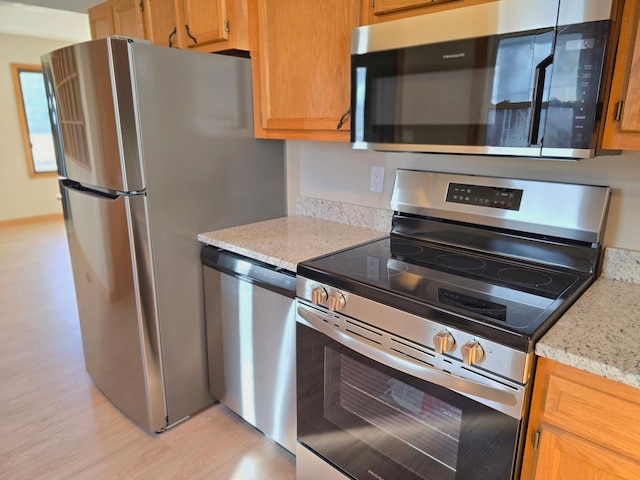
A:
(20, 195)
(333, 171)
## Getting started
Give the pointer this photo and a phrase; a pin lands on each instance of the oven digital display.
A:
(494, 197)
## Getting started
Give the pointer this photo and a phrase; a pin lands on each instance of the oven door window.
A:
(474, 92)
(374, 422)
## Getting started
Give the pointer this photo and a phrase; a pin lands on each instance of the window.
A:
(34, 119)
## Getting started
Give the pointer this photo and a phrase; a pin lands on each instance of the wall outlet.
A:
(376, 183)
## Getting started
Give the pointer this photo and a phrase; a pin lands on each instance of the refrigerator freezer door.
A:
(116, 304)
(93, 114)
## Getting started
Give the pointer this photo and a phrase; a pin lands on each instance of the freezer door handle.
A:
(78, 187)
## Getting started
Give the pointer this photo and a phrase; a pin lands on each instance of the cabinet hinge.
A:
(226, 26)
(141, 5)
(373, 3)
(536, 439)
(618, 115)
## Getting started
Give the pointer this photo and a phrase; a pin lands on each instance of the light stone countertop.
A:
(284, 242)
(600, 332)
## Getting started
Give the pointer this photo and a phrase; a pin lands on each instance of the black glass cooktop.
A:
(508, 294)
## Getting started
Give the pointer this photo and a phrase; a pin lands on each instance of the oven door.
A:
(369, 420)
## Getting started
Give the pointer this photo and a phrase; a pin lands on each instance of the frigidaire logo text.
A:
(454, 55)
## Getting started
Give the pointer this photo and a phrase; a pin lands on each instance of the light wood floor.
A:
(55, 425)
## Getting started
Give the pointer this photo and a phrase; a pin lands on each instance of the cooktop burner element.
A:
(459, 262)
(520, 276)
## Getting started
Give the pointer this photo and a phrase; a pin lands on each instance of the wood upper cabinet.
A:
(205, 22)
(101, 20)
(161, 22)
(201, 25)
(581, 427)
(375, 11)
(117, 17)
(622, 121)
(301, 62)
(127, 18)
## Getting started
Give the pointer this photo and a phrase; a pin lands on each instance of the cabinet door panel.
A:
(375, 11)
(304, 64)
(577, 408)
(563, 456)
(205, 21)
(127, 18)
(631, 113)
(101, 21)
(161, 21)
(387, 6)
(624, 133)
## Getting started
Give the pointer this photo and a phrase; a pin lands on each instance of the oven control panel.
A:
(485, 196)
(442, 341)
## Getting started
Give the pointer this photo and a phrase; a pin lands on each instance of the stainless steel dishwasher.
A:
(250, 323)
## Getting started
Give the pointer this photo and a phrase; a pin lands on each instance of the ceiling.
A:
(67, 21)
(80, 6)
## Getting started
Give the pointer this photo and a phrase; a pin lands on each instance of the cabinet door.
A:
(205, 22)
(622, 124)
(375, 11)
(563, 456)
(127, 18)
(387, 6)
(101, 20)
(301, 60)
(161, 22)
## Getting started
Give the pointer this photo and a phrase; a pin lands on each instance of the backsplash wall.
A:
(333, 171)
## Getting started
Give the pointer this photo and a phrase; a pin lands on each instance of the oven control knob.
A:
(336, 301)
(472, 353)
(318, 295)
(444, 342)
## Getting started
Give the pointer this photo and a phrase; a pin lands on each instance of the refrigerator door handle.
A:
(104, 194)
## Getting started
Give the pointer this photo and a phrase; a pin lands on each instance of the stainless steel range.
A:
(415, 352)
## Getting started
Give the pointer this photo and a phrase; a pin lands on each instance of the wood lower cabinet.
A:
(117, 17)
(581, 427)
(622, 121)
(301, 62)
(375, 11)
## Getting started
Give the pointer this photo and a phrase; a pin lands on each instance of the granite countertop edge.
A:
(600, 332)
(286, 241)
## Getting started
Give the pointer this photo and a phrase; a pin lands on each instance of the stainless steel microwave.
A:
(504, 77)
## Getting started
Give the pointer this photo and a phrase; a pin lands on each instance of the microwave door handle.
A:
(538, 94)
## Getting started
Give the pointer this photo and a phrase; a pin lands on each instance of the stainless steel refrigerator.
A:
(154, 146)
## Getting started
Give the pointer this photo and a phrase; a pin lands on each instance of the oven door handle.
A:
(496, 393)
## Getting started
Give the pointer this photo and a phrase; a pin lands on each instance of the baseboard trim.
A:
(26, 220)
